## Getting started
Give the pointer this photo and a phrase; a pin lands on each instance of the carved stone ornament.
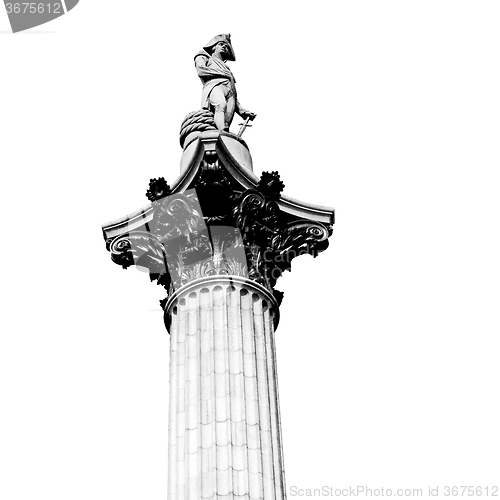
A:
(211, 230)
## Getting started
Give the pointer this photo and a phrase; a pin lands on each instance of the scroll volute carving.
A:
(215, 229)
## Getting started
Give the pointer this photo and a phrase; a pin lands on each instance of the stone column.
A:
(217, 242)
(224, 440)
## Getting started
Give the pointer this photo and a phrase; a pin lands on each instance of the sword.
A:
(243, 126)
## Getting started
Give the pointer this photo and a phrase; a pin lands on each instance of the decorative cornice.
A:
(243, 176)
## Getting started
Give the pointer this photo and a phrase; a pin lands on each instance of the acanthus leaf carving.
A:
(214, 229)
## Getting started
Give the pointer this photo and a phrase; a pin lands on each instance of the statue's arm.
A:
(244, 113)
(204, 71)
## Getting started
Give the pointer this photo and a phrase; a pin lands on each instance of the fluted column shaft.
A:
(224, 434)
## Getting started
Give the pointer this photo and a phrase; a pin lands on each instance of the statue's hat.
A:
(221, 38)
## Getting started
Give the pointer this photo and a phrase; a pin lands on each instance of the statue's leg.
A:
(218, 102)
(230, 108)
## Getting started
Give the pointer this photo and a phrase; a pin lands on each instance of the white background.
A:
(388, 347)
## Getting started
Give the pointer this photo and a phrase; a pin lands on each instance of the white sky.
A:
(388, 347)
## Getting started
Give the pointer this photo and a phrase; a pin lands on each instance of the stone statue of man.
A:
(219, 90)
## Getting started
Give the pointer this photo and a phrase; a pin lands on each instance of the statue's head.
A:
(222, 44)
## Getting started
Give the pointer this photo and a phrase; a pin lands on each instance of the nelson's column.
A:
(217, 240)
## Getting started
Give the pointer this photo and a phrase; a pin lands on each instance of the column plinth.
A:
(224, 439)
